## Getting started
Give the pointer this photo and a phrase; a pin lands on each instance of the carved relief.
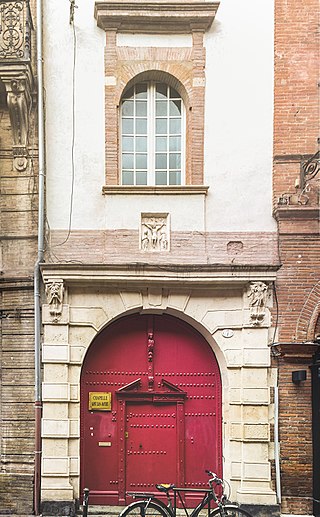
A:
(234, 247)
(19, 102)
(154, 232)
(54, 292)
(301, 198)
(150, 347)
(257, 295)
(18, 82)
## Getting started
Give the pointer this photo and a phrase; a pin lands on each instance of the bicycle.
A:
(150, 506)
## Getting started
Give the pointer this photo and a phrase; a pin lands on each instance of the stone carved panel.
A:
(54, 292)
(154, 232)
(18, 83)
(257, 294)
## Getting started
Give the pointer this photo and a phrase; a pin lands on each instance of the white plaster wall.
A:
(88, 203)
(187, 212)
(239, 115)
(238, 125)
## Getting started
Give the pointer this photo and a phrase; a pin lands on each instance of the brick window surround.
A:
(183, 68)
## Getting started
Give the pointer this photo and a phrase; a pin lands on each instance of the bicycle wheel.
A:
(230, 511)
(143, 509)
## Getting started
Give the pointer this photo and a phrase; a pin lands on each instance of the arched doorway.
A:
(150, 408)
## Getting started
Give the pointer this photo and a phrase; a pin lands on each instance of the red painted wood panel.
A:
(154, 367)
(151, 440)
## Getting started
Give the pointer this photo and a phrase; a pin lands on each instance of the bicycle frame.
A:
(221, 507)
(172, 509)
(206, 500)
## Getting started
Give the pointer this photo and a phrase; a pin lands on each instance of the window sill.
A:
(149, 189)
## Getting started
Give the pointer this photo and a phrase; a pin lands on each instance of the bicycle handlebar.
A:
(215, 479)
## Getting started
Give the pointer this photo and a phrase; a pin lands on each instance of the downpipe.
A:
(37, 273)
(277, 443)
(38, 397)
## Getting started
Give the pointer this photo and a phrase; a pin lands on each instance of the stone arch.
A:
(184, 379)
(199, 326)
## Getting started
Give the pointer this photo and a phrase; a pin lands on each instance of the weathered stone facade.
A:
(18, 245)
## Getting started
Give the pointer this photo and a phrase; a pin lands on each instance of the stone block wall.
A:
(244, 360)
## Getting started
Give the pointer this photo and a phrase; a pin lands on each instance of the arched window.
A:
(152, 135)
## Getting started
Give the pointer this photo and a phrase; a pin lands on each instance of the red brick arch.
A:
(167, 74)
(182, 66)
(309, 315)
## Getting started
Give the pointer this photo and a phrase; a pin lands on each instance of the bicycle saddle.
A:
(164, 487)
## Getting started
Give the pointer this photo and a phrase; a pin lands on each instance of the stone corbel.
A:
(257, 294)
(18, 84)
(54, 292)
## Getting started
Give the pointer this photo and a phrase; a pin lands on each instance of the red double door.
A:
(150, 408)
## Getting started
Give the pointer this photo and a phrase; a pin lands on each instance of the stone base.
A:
(262, 510)
(60, 508)
(16, 494)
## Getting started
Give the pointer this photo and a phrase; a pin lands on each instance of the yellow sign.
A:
(99, 401)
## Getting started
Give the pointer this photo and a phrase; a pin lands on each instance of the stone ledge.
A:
(163, 190)
(261, 510)
(299, 212)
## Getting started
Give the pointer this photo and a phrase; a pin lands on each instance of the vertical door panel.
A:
(186, 360)
(151, 445)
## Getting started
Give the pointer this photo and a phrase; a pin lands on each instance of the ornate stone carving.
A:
(18, 81)
(154, 232)
(257, 295)
(150, 347)
(19, 102)
(54, 292)
(16, 74)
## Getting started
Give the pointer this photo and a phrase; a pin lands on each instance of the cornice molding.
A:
(299, 212)
(140, 274)
(293, 351)
(157, 17)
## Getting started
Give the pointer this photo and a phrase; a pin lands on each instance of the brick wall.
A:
(98, 247)
(296, 124)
